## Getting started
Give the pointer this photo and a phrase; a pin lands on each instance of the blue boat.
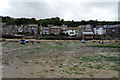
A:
(22, 41)
(27, 41)
(83, 41)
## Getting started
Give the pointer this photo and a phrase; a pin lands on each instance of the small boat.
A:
(93, 40)
(27, 41)
(38, 41)
(32, 42)
(3, 40)
(102, 42)
(83, 41)
(22, 41)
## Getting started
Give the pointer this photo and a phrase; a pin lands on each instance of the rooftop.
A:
(32, 25)
(55, 27)
(72, 28)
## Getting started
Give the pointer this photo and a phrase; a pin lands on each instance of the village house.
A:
(100, 29)
(32, 29)
(55, 30)
(7, 31)
(81, 26)
(113, 32)
(72, 31)
(50, 25)
(22, 29)
(41, 28)
(81, 29)
(79, 33)
(3, 24)
(46, 30)
(64, 29)
(86, 31)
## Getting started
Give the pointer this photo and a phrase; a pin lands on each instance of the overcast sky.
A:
(65, 9)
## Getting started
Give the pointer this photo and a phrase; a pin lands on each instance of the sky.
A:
(102, 10)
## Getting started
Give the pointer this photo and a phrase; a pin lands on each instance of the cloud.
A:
(66, 9)
(3, 6)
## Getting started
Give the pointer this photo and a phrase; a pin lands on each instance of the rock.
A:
(92, 75)
(52, 69)
(31, 73)
(16, 67)
(25, 61)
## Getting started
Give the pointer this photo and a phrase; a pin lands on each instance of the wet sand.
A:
(58, 60)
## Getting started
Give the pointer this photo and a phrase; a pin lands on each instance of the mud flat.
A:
(60, 60)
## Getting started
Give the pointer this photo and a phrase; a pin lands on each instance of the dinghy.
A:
(22, 41)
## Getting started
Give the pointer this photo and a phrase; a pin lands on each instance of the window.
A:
(113, 30)
(71, 32)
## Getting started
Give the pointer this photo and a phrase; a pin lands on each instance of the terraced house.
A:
(100, 29)
(7, 31)
(82, 31)
(86, 31)
(113, 32)
(64, 29)
(22, 29)
(32, 29)
(72, 31)
(55, 30)
(46, 30)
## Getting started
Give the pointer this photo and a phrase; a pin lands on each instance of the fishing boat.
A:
(83, 41)
(38, 41)
(27, 41)
(22, 41)
(32, 42)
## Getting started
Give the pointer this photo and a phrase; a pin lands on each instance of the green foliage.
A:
(105, 46)
(53, 21)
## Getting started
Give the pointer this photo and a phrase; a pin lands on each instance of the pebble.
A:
(52, 69)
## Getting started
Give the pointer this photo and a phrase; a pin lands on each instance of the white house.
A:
(20, 29)
(71, 31)
(99, 30)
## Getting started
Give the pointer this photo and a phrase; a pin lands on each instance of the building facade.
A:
(113, 31)
(55, 30)
(99, 30)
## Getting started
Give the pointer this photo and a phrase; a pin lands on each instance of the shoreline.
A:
(16, 40)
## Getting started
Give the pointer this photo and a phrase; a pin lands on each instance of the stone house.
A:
(113, 31)
(55, 30)
(45, 30)
(32, 29)
(100, 30)
(7, 31)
